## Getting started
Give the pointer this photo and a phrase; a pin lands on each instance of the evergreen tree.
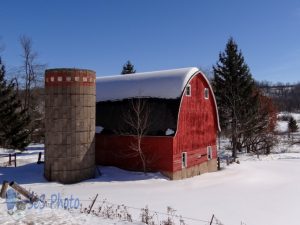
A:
(292, 125)
(128, 68)
(13, 120)
(234, 91)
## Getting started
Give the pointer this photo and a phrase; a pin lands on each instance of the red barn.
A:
(181, 135)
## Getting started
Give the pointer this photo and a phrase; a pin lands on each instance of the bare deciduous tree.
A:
(32, 72)
(136, 121)
(28, 81)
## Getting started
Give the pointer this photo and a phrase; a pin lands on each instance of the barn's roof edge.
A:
(146, 73)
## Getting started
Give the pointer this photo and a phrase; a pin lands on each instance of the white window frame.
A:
(184, 159)
(206, 93)
(188, 93)
(209, 153)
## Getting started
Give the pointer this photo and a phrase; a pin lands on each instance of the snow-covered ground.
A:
(256, 192)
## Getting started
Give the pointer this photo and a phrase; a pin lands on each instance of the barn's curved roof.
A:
(165, 84)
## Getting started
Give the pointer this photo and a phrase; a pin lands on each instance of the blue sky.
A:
(159, 34)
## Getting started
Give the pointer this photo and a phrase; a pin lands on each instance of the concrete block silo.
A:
(70, 125)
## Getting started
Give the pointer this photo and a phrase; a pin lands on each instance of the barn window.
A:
(188, 90)
(184, 159)
(209, 152)
(206, 93)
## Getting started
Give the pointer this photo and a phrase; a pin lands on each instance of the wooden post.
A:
(39, 158)
(15, 159)
(219, 164)
(9, 159)
(23, 191)
(92, 204)
(219, 141)
(212, 219)
(4, 188)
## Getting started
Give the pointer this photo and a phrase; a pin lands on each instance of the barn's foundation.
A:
(70, 125)
(205, 167)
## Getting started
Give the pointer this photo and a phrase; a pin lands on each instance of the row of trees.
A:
(285, 96)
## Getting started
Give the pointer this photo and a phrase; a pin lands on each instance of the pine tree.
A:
(128, 68)
(234, 90)
(292, 125)
(13, 120)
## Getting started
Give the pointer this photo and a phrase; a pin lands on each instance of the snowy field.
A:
(264, 191)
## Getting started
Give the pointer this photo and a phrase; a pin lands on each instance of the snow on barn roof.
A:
(168, 84)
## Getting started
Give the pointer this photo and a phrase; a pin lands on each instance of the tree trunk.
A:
(141, 154)
(234, 136)
(234, 146)
(248, 148)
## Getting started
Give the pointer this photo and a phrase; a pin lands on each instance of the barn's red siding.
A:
(197, 125)
(112, 150)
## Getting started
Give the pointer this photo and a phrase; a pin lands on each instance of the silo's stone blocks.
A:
(70, 101)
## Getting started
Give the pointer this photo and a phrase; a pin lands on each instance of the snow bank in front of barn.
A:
(168, 84)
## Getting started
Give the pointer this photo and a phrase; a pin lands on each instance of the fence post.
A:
(15, 159)
(92, 204)
(219, 164)
(23, 191)
(212, 219)
(39, 158)
(4, 188)
(9, 159)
